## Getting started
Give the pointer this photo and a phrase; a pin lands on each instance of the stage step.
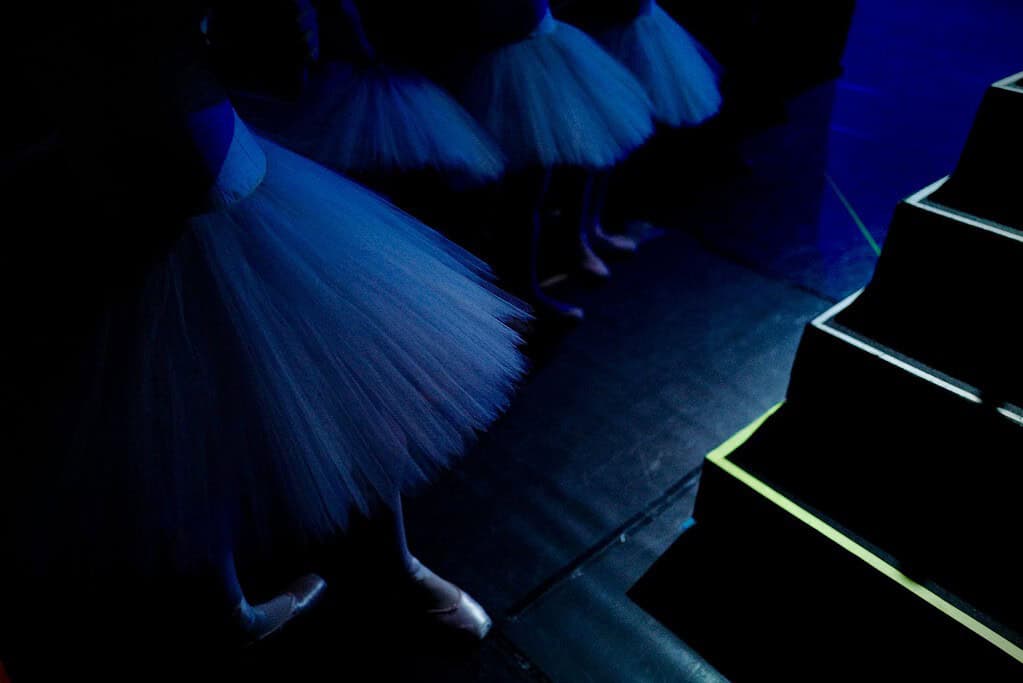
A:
(946, 292)
(867, 531)
(912, 461)
(764, 596)
(988, 178)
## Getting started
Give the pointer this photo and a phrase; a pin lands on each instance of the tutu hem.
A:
(300, 355)
(557, 98)
(670, 64)
(380, 120)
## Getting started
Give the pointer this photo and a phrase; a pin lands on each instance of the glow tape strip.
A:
(719, 457)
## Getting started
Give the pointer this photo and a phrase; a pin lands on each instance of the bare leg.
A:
(599, 239)
(589, 215)
(522, 202)
(423, 594)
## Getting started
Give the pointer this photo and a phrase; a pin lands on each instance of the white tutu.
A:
(296, 356)
(670, 64)
(381, 120)
(558, 98)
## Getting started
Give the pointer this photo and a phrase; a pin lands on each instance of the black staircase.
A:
(902, 434)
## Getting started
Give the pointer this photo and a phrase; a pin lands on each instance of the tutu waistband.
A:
(546, 26)
(241, 173)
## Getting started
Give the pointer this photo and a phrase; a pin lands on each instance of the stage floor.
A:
(592, 473)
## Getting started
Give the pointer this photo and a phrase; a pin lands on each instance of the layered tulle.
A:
(558, 98)
(670, 64)
(297, 356)
(376, 119)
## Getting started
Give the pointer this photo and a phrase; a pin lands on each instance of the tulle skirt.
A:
(670, 64)
(377, 119)
(300, 355)
(558, 98)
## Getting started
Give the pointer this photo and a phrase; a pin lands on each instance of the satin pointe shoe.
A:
(257, 622)
(613, 244)
(550, 308)
(447, 606)
(592, 265)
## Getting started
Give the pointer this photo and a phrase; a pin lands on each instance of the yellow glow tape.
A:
(855, 216)
(730, 446)
(719, 457)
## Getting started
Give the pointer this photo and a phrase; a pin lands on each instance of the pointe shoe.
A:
(451, 608)
(258, 622)
(619, 244)
(552, 309)
(593, 265)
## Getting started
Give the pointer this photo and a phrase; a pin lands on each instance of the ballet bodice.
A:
(505, 21)
(428, 33)
(601, 14)
(137, 105)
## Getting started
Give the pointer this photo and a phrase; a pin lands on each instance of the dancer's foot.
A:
(445, 605)
(256, 622)
(591, 264)
(615, 244)
(552, 309)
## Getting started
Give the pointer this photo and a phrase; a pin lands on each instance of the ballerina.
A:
(373, 114)
(551, 97)
(281, 350)
(669, 63)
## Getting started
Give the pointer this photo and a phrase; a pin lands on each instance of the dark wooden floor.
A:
(593, 471)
